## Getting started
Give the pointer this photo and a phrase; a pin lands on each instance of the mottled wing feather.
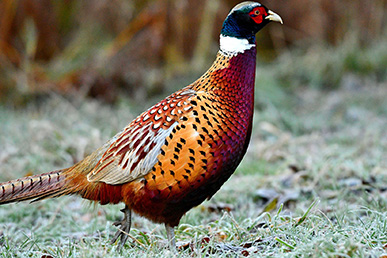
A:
(136, 149)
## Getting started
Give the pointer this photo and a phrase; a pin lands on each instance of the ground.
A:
(313, 182)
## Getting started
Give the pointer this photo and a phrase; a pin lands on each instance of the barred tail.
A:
(35, 188)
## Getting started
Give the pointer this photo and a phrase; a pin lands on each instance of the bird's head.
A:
(246, 19)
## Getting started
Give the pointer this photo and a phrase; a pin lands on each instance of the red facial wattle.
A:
(258, 14)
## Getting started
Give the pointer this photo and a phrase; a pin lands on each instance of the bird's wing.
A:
(133, 154)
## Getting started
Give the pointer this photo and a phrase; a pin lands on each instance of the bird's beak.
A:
(274, 17)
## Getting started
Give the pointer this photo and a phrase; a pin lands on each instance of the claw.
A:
(123, 228)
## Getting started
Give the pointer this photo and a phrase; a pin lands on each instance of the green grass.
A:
(313, 182)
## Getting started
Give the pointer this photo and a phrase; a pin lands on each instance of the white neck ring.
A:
(231, 45)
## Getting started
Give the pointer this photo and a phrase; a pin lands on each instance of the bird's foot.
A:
(171, 237)
(123, 228)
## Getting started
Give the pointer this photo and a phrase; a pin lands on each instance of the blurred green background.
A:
(110, 48)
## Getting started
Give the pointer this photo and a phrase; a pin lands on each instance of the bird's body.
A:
(205, 146)
(174, 155)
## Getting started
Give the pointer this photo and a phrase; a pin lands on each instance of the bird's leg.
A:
(171, 237)
(124, 227)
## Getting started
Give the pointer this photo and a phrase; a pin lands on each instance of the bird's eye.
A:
(256, 12)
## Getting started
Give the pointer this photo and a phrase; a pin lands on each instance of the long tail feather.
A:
(33, 187)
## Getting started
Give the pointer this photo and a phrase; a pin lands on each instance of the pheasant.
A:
(177, 153)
